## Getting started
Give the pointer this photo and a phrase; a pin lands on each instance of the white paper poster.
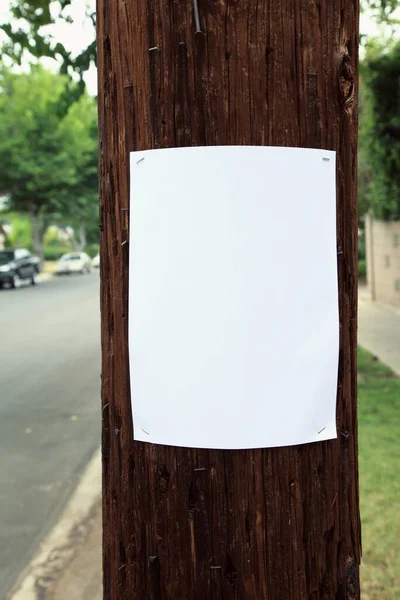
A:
(233, 296)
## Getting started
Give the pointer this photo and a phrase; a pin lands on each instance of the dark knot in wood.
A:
(351, 579)
(347, 82)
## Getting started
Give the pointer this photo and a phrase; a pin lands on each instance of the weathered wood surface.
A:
(280, 524)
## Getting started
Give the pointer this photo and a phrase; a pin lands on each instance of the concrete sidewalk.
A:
(42, 277)
(68, 562)
(379, 330)
(79, 577)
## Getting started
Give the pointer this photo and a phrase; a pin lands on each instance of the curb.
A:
(42, 277)
(59, 545)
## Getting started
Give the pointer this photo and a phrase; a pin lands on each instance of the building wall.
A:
(383, 260)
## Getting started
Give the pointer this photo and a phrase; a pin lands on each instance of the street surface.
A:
(49, 408)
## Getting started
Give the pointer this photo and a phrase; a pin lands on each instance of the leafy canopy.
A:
(382, 9)
(27, 35)
(380, 131)
(47, 148)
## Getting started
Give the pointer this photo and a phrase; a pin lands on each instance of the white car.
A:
(96, 261)
(75, 262)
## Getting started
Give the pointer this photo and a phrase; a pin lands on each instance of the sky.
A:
(79, 35)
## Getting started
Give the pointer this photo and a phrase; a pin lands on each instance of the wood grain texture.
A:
(280, 524)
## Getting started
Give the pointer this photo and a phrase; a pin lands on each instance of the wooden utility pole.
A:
(184, 524)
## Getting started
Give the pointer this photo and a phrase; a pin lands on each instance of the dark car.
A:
(17, 265)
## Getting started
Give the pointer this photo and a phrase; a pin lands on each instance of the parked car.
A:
(17, 265)
(74, 262)
(96, 261)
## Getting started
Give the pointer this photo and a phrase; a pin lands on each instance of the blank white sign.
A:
(233, 298)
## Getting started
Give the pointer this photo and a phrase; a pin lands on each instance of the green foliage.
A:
(40, 144)
(92, 227)
(84, 210)
(362, 268)
(25, 34)
(54, 252)
(380, 132)
(382, 10)
(21, 230)
(364, 168)
(50, 237)
(54, 242)
(80, 123)
(361, 245)
(92, 249)
(48, 149)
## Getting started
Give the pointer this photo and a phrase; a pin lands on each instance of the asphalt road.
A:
(49, 408)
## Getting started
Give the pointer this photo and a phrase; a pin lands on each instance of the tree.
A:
(380, 131)
(364, 167)
(81, 123)
(25, 35)
(47, 147)
(181, 523)
(382, 10)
